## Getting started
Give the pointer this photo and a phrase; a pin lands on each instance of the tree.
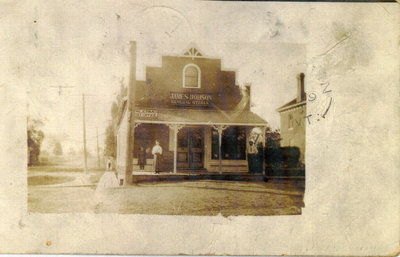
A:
(57, 149)
(110, 142)
(273, 156)
(114, 110)
(34, 140)
(272, 138)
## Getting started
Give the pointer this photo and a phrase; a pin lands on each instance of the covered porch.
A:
(194, 141)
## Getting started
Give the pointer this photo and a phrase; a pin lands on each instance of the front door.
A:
(190, 148)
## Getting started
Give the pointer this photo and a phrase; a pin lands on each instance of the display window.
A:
(233, 144)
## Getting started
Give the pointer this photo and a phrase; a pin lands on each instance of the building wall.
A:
(294, 134)
(122, 135)
(161, 81)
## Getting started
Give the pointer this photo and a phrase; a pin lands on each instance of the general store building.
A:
(194, 108)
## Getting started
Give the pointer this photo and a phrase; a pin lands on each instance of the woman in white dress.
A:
(157, 152)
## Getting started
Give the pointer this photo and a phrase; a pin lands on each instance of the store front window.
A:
(147, 134)
(233, 144)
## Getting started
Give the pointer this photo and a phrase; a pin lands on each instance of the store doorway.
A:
(190, 152)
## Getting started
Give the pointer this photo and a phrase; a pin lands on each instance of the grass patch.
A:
(59, 168)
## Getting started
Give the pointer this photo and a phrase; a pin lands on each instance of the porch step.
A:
(196, 176)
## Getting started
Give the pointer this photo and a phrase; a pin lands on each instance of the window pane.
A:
(191, 82)
(182, 138)
(191, 71)
(233, 144)
(191, 77)
(145, 136)
(196, 138)
(290, 121)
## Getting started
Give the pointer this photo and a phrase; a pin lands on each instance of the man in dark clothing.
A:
(142, 158)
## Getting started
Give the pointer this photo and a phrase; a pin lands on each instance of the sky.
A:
(84, 48)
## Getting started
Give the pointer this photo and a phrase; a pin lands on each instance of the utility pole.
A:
(98, 155)
(83, 121)
(131, 116)
(84, 133)
(60, 89)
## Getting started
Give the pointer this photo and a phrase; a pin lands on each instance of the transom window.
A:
(193, 52)
(191, 76)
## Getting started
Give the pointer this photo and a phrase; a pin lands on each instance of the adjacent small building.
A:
(293, 120)
(194, 108)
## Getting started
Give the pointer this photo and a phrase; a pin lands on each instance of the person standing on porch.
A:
(256, 152)
(252, 156)
(157, 152)
(142, 158)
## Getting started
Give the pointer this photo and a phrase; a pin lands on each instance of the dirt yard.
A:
(206, 197)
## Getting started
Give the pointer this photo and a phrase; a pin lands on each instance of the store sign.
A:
(146, 114)
(190, 99)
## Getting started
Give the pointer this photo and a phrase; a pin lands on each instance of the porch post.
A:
(264, 130)
(220, 129)
(175, 145)
(176, 128)
(219, 149)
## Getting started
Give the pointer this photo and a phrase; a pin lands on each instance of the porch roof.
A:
(198, 117)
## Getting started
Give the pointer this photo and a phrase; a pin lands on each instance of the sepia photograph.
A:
(190, 135)
(199, 128)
